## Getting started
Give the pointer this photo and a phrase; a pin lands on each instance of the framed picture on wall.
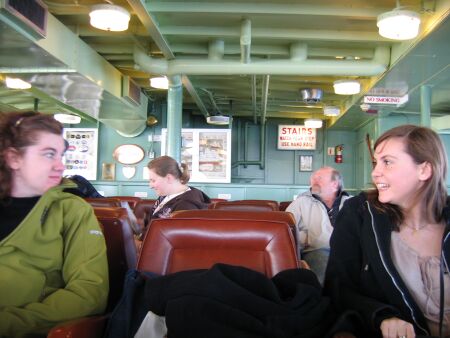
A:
(81, 155)
(108, 171)
(306, 162)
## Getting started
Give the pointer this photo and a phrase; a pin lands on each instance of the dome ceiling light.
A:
(109, 17)
(331, 111)
(218, 119)
(313, 123)
(346, 87)
(160, 82)
(67, 118)
(16, 83)
(398, 24)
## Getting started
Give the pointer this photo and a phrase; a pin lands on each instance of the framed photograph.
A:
(306, 162)
(108, 171)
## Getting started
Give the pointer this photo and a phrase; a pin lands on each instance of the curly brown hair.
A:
(19, 130)
(423, 145)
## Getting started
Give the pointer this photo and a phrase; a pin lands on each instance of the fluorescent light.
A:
(331, 111)
(109, 17)
(14, 83)
(346, 87)
(159, 82)
(218, 119)
(398, 24)
(313, 123)
(67, 118)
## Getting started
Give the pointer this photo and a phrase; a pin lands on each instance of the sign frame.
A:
(296, 137)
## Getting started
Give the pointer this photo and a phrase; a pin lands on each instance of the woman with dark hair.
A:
(390, 248)
(53, 265)
(169, 181)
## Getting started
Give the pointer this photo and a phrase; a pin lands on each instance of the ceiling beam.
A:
(243, 8)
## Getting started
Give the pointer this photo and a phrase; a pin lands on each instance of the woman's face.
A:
(158, 183)
(396, 175)
(39, 168)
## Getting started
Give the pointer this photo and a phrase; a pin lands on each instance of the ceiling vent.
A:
(311, 95)
(131, 91)
(32, 13)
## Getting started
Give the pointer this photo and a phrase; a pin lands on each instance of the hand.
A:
(304, 265)
(343, 335)
(397, 328)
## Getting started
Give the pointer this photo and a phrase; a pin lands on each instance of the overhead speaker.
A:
(311, 95)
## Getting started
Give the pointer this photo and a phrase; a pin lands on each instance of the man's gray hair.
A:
(336, 176)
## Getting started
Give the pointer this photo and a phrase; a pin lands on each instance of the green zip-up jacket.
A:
(53, 266)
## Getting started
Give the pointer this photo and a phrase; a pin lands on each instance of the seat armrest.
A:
(86, 327)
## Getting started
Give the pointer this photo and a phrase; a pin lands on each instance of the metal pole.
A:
(425, 105)
(174, 117)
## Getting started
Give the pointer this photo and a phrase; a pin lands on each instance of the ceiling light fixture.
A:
(218, 119)
(15, 83)
(331, 111)
(313, 123)
(109, 17)
(67, 118)
(346, 87)
(398, 24)
(160, 82)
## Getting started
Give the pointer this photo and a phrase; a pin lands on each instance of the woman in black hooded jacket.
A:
(390, 249)
(169, 180)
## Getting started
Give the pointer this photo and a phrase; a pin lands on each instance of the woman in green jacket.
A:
(53, 264)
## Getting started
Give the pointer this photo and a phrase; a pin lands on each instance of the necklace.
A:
(415, 228)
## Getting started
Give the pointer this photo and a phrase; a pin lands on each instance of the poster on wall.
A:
(81, 154)
(207, 153)
(295, 137)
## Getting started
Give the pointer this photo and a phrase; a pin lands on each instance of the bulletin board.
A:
(81, 154)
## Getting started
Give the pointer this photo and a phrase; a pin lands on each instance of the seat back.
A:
(132, 200)
(104, 202)
(120, 246)
(281, 216)
(177, 244)
(143, 207)
(284, 205)
(246, 205)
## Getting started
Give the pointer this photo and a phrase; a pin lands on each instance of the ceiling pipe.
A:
(198, 101)
(262, 143)
(254, 98)
(376, 66)
(213, 101)
(216, 49)
(146, 63)
(298, 51)
(264, 97)
(246, 40)
(263, 121)
(268, 50)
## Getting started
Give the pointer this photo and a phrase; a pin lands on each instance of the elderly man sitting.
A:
(315, 212)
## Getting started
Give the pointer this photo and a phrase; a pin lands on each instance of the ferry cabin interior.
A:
(261, 64)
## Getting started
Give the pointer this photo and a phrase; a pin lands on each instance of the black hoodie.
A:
(189, 200)
(361, 275)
